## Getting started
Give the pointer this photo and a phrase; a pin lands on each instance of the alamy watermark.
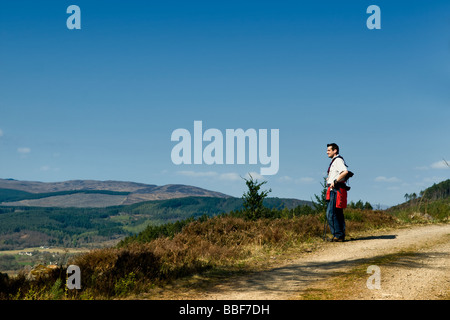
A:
(374, 281)
(232, 150)
(74, 20)
(73, 277)
(374, 21)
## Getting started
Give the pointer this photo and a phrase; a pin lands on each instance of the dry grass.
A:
(218, 245)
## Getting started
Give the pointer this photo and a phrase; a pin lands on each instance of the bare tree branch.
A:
(446, 163)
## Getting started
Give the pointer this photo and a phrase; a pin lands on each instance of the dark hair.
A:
(333, 146)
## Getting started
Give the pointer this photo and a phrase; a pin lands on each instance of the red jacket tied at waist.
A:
(341, 197)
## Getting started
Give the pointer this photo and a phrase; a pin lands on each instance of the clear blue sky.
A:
(101, 102)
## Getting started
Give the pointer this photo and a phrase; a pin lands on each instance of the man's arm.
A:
(339, 178)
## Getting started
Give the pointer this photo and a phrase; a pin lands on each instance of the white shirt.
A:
(337, 167)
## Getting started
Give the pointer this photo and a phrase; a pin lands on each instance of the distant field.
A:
(14, 261)
(50, 250)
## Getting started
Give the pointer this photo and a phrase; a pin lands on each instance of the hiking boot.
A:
(337, 239)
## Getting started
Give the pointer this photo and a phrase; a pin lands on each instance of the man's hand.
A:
(333, 184)
(339, 178)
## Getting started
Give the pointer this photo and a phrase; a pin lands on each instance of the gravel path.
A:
(422, 275)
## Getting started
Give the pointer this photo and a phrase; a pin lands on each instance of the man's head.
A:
(332, 150)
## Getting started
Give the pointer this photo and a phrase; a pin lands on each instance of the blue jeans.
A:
(335, 217)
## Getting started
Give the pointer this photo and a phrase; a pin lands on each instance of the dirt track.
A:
(414, 263)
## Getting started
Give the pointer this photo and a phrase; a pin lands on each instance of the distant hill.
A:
(84, 212)
(440, 190)
(431, 203)
(45, 187)
(92, 193)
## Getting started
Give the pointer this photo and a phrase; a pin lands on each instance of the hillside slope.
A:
(67, 225)
(433, 202)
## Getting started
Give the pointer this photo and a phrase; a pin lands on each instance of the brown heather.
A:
(216, 242)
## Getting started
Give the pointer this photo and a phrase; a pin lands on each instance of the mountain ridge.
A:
(137, 192)
(68, 185)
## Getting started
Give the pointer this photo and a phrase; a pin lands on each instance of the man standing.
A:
(336, 193)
